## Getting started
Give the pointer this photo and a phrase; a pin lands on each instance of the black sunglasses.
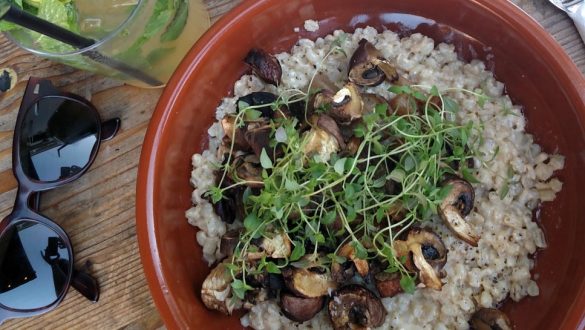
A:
(56, 139)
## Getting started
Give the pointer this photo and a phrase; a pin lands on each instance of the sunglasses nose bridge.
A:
(23, 195)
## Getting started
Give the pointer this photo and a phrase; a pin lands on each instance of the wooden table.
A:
(98, 210)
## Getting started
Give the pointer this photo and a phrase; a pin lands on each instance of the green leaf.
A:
(252, 222)
(251, 114)
(360, 250)
(381, 109)
(335, 258)
(329, 217)
(397, 175)
(339, 166)
(240, 288)
(265, 161)
(450, 105)
(177, 25)
(272, 268)
(291, 185)
(434, 91)
(467, 175)
(409, 163)
(407, 283)
(298, 251)
(215, 193)
(504, 190)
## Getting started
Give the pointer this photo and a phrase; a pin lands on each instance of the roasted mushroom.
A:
(354, 306)
(347, 104)
(229, 241)
(308, 283)
(330, 126)
(490, 319)
(276, 246)
(403, 104)
(429, 255)
(388, 284)
(264, 65)
(258, 138)
(456, 206)
(248, 168)
(371, 101)
(216, 290)
(261, 101)
(321, 143)
(361, 265)
(367, 66)
(228, 123)
(300, 309)
(342, 273)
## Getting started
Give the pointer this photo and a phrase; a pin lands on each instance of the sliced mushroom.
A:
(367, 66)
(429, 255)
(278, 246)
(347, 104)
(229, 241)
(300, 309)
(490, 319)
(259, 138)
(228, 123)
(264, 65)
(330, 126)
(216, 290)
(388, 284)
(342, 272)
(255, 296)
(354, 306)
(308, 283)
(361, 265)
(247, 168)
(321, 143)
(403, 104)
(456, 206)
(261, 101)
(371, 101)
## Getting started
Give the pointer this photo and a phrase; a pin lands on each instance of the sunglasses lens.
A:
(57, 139)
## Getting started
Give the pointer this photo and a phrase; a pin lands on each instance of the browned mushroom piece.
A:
(231, 131)
(247, 168)
(354, 306)
(342, 272)
(490, 319)
(371, 101)
(361, 265)
(258, 138)
(388, 284)
(308, 283)
(347, 104)
(367, 66)
(300, 309)
(264, 65)
(261, 101)
(330, 126)
(229, 241)
(273, 245)
(353, 145)
(429, 255)
(216, 291)
(254, 297)
(403, 104)
(321, 143)
(457, 205)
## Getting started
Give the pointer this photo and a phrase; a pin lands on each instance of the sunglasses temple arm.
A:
(86, 285)
(110, 128)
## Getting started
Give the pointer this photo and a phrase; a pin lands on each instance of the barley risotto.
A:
(487, 255)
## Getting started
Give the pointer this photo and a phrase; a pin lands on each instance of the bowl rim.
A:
(145, 221)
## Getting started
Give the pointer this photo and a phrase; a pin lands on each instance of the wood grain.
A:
(98, 210)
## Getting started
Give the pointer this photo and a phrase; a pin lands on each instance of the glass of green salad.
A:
(151, 36)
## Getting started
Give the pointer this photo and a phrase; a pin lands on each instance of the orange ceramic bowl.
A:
(537, 73)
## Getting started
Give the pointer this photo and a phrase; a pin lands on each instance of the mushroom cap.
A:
(458, 204)
(388, 284)
(355, 306)
(300, 309)
(216, 290)
(368, 67)
(429, 255)
(307, 283)
(490, 318)
(264, 65)
(361, 265)
(347, 104)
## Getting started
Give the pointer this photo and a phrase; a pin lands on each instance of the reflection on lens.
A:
(34, 266)
(58, 137)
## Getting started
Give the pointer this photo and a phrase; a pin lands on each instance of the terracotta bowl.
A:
(537, 73)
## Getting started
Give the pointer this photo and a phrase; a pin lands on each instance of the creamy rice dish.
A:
(513, 175)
